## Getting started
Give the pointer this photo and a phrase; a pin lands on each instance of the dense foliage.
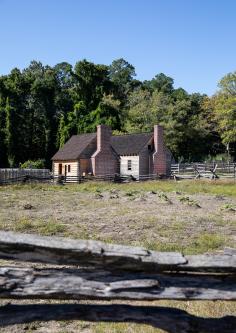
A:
(42, 106)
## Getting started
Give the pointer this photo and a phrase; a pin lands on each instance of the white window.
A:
(129, 165)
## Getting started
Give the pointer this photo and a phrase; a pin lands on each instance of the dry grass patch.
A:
(148, 214)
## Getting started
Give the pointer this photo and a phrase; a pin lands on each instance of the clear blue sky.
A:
(193, 41)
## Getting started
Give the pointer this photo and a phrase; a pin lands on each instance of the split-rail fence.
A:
(214, 170)
(93, 270)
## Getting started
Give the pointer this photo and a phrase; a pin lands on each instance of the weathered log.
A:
(93, 284)
(168, 319)
(86, 253)
(210, 263)
(230, 251)
(83, 252)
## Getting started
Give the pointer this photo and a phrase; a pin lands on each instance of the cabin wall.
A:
(169, 161)
(74, 168)
(85, 166)
(134, 166)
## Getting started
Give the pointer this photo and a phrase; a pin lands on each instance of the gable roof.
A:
(74, 147)
(129, 144)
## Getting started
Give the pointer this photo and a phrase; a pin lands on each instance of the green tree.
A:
(107, 113)
(161, 83)
(10, 138)
(225, 111)
(121, 74)
(139, 115)
(62, 133)
(91, 83)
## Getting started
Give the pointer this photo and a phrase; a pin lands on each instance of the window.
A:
(68, 168)
(129, 165)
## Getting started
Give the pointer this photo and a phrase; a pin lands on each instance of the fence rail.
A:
(107, 272)
(14, 175)
(204, 170)
(114, 178)
(218, 170)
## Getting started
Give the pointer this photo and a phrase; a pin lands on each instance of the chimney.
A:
(103, 137)
(158, 138)
(159, 156)
(104, 161)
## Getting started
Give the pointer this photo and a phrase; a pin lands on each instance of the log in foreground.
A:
(29, 283)
(86, 253)
(168, 319)
(62, 251)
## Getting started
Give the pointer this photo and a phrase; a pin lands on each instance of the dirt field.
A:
(192, 217)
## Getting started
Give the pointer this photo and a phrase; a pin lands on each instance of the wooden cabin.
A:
(102, 154)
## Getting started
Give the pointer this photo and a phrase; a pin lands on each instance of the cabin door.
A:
(60, 169)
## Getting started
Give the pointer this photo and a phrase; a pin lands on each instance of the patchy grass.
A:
(44, 228)
(186, 200)
(229, 207)
(201, 244)
(206, 243)
(143, 214)
(217, 187)
(134, 214)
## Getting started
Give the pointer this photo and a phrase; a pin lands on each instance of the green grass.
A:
(200, 244)
(44, 228)
(218, 187)
(188, 201)
(207, 242)
(229, 207)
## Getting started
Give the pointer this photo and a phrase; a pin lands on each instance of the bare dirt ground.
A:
(161, 217)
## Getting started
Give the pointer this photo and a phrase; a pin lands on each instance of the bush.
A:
(219, 158)
(38, 164)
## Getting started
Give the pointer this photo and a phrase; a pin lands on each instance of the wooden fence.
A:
(14, 175)
(112, 178)
(215, 170)
(111, 272)
(178, 171)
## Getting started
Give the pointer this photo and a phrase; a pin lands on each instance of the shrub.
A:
(38, 164)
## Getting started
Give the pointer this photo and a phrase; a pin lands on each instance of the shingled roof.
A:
(74, 147)
(128, 144)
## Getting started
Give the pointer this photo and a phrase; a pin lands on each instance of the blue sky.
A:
(193, 41)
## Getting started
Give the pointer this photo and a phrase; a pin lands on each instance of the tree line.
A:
(42, 106)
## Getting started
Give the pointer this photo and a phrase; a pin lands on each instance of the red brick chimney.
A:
(104, 160)
(159, 156)
(103, 137)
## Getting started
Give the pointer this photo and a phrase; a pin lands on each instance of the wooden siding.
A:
(145, 159)
(74, 168)
(169, 161)
(134, 166)
(85, 166)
